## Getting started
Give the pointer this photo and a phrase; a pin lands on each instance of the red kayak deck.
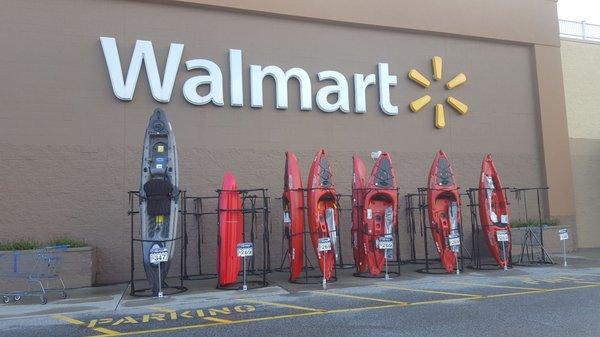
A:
(443, 203)
(358, 198)
(293, 208)
(230, 231)
(380, 209)
(493, 212)
(321, 198)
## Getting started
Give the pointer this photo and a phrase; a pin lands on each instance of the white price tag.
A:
(369, 214)
(454, 240)
(385, 242)
(563, 234)
(502, 236)
(245, 249)
(158, 255)
(324, 244)
(286, 217)
(504, 219)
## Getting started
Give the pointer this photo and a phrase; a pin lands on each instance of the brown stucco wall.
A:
(73, 148)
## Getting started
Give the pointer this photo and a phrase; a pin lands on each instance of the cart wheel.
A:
(17, 297)
(5, 299)
(43, 299)
(63, 294)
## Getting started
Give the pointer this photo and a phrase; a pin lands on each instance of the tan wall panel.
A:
(586, 161)
(555, 134)
(582, 87)
(529, 21)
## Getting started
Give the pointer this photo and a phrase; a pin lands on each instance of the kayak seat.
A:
(158, 196)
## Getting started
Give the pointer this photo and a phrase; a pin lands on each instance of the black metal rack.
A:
(477, 231)
(421, 207)
(532, 243)
(307, 278)
(255, 214)
(134, 201)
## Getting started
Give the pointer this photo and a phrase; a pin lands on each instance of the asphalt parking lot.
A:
(535, 301)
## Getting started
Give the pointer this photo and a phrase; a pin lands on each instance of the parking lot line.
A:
(428, 291)
(490, 285)
(330, 293)
(284, 305)
(219, 320)
(73, 321)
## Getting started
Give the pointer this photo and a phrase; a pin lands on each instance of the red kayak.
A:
(230, 231)
(493, 211)
(293, 216)
(380, 207)
(443, 203)
(322, 213)
(358, 198)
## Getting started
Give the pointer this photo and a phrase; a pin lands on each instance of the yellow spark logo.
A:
(419, 103)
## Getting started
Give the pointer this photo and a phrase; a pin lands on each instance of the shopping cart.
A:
(32, 273)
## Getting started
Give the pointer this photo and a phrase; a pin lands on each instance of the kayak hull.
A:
(358, 230)
(380, 209)
(159, 195)
(493, 212)
(230, 231)
(321, 199)
(443, 205)
(293, 207)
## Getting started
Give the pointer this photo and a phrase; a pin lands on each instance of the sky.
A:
(579, 10)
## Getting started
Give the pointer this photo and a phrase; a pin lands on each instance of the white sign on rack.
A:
(385, 242)
(158, 255)
(502, 236)
(324, 244)
(563, 234)
(245, 249)
(454, 240)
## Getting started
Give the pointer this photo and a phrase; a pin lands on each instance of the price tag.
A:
(324, 245)
(385, 242)
(369, 214)
(245, 249)
(158, 255)
(504, 219)
(502, 236)
(563, 234)
(454, 240)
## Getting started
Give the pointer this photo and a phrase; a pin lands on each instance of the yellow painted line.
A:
(73, 321)
(162, 309)
(219, 320)
(448, 300)
(329, 293)
(284, 305)
(335, 311)
(491, 285)
(68, 319)
(586, 282)
(428, 291)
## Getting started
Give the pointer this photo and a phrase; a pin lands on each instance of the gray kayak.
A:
(159, 196)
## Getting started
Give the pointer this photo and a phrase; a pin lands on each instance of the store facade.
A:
(72, 127)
